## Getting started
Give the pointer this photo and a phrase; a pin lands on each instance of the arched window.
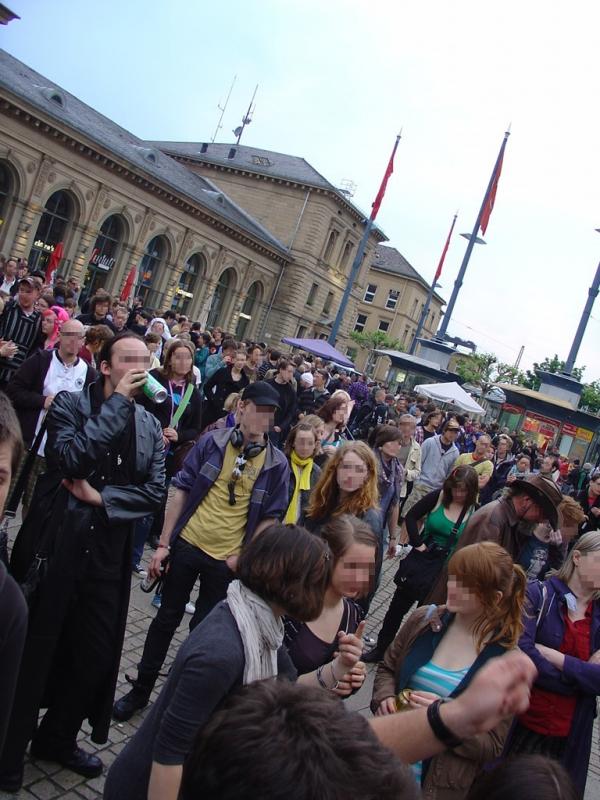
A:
(348, 248)
(249, 309)
(6, 190)
(217, 305)
(184, 294)
(332, 239)
(58, 215)
(104, 254)
(154, 257)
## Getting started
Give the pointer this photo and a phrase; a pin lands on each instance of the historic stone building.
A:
(304, 211)
(393, 301)
(69, 175)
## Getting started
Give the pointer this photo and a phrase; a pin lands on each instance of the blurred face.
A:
(181, 362)
(152, 346)
(391, 449)
(286, 374)
(185, 327)
(120, 318)
(48, 321)
(352, 472)
(339, 415)
(407, 428)
(70, 338)
(5, 472)
(158, 327)
(462, 600)
(320, 431)
(547, 465)
(588, 567)
(353, 573)
(481, 446)
(459, 493)
(451, 432)
(228, 355)
(523, 465)
(255, 420)
(435, 420)
(239, 361)
(28, 296)
(319, 380)
(594, 487)
(380, 396)
(10, 269)
(532, 511)
(126, 354)
(256, 357)
(101, 309)
(304, 444)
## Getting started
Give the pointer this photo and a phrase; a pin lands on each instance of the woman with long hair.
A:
(439, 650)
(589, 500)
(386, 441)
(283, 571)
(443, 516)
(348, 485)
(314, 643)
(562, 638)
(333, 413)
(301, 448)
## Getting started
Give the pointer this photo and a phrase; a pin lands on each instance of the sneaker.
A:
(190, 608)
(156, 601)
(137, 570)
(370, 641)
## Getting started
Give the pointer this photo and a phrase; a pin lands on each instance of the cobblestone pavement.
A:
(44, 780)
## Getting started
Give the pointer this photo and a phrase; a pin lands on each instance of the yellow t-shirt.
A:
(483, 467)
(216, 527)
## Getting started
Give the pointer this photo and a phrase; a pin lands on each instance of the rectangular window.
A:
(384, 325)
(310, 300)
(392, 300)
(361, 321)
(328, 302)
(370, 292)
(301, 332)
(351, 352)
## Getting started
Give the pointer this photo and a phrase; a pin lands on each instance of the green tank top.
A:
(438, 527)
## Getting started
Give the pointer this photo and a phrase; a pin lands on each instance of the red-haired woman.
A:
(481, 620)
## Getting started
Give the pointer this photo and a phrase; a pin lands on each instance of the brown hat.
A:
(545, 493)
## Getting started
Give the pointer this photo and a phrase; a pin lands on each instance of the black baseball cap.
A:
(262, 394)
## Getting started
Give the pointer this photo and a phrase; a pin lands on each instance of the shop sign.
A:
(584, 435)
(183, 293)
(569, 430)
(101, 262)
(510, 409)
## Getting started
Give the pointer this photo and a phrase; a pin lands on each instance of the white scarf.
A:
(260, 629)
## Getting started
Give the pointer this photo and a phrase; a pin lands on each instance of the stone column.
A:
(26, 227)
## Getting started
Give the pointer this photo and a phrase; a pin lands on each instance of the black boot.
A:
(135, 699)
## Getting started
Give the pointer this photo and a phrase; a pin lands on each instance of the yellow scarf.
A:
(301, 467)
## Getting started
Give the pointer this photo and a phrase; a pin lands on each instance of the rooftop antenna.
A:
(247, 119)
(222, 110)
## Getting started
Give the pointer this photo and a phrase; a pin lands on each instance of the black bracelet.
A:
(438, 726)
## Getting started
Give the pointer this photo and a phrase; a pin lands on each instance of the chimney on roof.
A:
(231, 153)
(204, 147)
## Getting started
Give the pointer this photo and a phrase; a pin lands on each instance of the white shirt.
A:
(61, 377)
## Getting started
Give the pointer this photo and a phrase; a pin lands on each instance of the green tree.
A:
(374, 340)
(590, 397)
(484, 369)
(553, 365)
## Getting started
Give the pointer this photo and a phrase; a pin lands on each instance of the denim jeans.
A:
(186, 564)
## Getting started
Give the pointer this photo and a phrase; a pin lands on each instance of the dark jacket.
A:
(286, 414)
(202, 467)
(449, 775)
(311, 400)
(217, 389)
(592, 522)
(577, 677)
(77, 441)
(26, 389)
(90, 319)
(315, 474)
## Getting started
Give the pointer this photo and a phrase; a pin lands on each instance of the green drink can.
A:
(154, 390)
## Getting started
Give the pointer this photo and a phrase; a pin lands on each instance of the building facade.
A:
(392, 302)
(311, 217)
(68, 175)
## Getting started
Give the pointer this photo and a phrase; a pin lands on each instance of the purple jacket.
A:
(201, 469)
(576, 678)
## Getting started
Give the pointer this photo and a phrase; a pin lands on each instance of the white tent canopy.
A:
(450, 393)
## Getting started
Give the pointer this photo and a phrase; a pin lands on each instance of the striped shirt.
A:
(22, 329)
(431, 678)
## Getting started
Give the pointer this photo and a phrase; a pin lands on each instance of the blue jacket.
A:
(202, 466)
(576, 678)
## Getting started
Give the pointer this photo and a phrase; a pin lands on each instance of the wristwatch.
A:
(438, 726)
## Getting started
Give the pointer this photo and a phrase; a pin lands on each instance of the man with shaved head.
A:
(39, 379)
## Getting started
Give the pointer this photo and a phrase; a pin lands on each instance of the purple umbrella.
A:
(321, 348)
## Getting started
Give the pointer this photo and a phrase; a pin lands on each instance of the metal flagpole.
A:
(592, 294)
(425, 311)
(360, 253)
(471, 243)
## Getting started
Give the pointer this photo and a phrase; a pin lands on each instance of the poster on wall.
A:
(540, 430)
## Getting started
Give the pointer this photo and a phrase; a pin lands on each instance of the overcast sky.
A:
(337, 80)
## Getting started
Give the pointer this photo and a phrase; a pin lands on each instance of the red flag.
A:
(126, 290)
(438, 271)
(488, 205)
(53, 263)
(386, 177)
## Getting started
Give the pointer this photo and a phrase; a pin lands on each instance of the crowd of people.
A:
(156, 452)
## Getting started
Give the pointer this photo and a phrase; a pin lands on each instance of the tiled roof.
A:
(54, 102)
(388, 259)
(261, 162)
